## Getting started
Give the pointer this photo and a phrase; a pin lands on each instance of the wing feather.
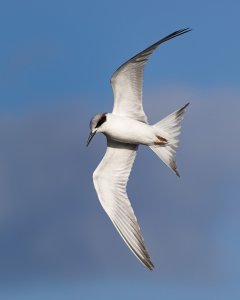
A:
(110, 181)
(127, 82)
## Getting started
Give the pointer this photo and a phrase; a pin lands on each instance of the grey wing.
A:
(110, 181)
(127, 82)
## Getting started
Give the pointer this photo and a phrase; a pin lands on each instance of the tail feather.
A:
(169, 128)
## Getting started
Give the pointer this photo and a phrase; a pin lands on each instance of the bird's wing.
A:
(110, 181)
(127, 82)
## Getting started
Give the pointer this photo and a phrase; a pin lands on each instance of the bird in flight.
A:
(126, 128)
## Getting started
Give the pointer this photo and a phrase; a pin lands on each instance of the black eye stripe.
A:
(101, 121)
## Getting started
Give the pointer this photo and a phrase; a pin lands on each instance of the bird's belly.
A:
(131, 132)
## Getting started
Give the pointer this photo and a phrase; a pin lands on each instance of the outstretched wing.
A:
(110, 181)
(127, 82)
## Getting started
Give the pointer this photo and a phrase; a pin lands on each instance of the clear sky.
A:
(56, 59)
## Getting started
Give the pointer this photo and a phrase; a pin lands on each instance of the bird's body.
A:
(129, 131)
(125, 128)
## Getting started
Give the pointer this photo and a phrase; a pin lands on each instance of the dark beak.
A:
(91, 135)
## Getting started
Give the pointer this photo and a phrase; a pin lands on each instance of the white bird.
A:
(125, 128)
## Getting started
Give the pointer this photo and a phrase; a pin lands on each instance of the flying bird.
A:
(126, 128)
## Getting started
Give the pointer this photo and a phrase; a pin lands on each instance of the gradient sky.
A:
(56, 59)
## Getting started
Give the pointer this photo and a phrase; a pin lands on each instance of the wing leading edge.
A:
(110, 180)
(127, 81)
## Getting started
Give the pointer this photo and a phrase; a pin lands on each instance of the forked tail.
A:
(169, 129)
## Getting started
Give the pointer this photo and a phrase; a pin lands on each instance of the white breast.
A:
(128, 130)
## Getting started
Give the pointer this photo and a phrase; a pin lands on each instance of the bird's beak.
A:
(91, 135)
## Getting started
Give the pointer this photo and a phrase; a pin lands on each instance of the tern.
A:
(126, 128)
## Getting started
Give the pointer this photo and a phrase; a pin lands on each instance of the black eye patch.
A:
(101, 121)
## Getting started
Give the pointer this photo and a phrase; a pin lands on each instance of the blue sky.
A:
(56, 59)
(53, 50)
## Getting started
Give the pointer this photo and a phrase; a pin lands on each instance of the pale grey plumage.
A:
(111, 176)
(110, 181)
(127, 82)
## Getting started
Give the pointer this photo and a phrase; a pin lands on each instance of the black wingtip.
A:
(187, 29)
(183, 30)
(177, 173)
(184, 107)
(178, 32)
(171, 36)
(148, 264)
(151, 267)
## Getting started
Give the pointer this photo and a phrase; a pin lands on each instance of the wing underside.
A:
(110, 181)
(127, 82)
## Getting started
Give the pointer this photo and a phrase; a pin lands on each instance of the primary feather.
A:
(111, 176)
(127, 82)
(110, 181)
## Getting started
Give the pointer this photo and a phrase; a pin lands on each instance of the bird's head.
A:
(95, 124)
